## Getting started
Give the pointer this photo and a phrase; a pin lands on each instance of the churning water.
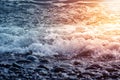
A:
(48, 27)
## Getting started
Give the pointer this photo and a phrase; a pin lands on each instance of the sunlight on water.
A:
(113, 5)
(100, 33)
(67, 29)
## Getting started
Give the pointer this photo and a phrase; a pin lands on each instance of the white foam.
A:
(61, 39)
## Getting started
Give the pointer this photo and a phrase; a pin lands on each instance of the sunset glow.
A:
(101, 21)
(113, 5)
(112, 26)
(108, 24)
(99, 27)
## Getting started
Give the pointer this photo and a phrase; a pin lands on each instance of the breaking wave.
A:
(60, 28)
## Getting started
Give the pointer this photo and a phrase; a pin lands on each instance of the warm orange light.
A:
(113, 5)
(99, 22)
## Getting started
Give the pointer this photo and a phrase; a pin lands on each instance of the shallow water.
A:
(58, 27)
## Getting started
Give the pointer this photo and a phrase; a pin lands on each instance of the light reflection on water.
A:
(69, 29)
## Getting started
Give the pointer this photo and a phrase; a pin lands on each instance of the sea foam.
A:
(25, 28)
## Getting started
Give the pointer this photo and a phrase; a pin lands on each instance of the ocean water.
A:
(50, 27)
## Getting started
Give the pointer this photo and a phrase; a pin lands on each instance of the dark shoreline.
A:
(33, 67)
